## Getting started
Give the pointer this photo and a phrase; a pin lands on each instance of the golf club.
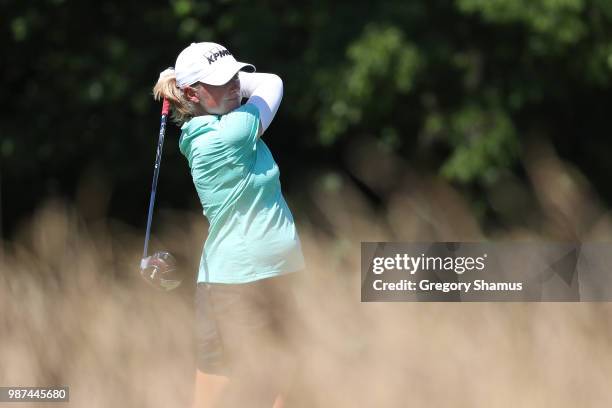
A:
(159, 269)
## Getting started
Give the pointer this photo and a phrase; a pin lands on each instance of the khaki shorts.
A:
(247, 330)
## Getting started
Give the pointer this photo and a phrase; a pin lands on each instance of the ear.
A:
(191, 94)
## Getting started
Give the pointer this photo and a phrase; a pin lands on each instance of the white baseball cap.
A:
(208, 63)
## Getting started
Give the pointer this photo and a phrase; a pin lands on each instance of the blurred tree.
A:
(453, 86)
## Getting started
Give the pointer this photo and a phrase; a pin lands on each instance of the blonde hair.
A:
(182, 109)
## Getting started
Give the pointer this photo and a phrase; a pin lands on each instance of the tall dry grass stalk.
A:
(74, 312)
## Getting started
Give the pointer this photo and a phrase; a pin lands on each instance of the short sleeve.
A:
(239, 127)
(191, 132)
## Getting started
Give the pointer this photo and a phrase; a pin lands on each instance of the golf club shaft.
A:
(160, 146)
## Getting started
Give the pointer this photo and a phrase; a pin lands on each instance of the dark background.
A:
(457, 90)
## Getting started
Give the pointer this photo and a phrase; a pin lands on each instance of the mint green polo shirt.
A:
(251, 232)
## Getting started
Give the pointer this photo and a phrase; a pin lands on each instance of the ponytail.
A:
(182, 109)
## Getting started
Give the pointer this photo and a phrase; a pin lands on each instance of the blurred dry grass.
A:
(74, 312)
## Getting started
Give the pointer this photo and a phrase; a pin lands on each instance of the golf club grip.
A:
(160, 145)
(165, 107)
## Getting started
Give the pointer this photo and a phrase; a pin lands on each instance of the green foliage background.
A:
(456, 88)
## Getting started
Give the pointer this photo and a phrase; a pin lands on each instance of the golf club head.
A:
(160, 271)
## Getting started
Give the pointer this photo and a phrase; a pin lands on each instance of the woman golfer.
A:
(244, 301)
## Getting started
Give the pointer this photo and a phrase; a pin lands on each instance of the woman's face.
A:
(217, 100)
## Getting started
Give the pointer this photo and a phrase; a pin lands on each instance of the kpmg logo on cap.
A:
(216, 55)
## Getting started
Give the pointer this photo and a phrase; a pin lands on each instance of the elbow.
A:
(277, 82)
(277, 79)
